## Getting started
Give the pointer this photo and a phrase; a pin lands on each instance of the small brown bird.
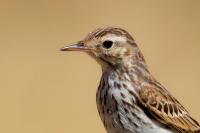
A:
(129, 99)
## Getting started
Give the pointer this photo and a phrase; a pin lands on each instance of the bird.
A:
(129, 99)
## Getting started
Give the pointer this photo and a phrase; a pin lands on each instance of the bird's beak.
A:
(75, 47)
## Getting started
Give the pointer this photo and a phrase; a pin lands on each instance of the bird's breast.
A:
(117, 105)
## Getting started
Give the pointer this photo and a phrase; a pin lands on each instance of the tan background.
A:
(43, 90)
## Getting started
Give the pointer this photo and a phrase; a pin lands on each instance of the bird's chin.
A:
(101, 61)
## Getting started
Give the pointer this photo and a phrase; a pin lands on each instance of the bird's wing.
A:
(166, 109)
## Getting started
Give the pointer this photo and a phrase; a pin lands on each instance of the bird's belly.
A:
(123, 122)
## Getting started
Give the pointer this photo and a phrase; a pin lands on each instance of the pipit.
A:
(129, 99)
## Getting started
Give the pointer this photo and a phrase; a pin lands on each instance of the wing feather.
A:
(167, 109)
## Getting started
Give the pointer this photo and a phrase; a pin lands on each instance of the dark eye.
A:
(107, 44)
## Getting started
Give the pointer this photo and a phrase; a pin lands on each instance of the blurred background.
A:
(43, 90)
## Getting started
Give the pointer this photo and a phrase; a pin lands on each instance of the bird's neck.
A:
(136, 71)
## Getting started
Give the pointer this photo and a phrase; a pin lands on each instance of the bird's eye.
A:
(107, 44)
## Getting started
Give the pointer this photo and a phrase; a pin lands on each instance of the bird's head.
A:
(109, 46)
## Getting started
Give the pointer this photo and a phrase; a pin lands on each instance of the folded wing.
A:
(166, 109)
